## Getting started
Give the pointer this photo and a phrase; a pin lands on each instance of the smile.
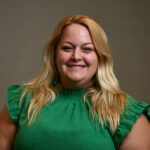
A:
(76, 66)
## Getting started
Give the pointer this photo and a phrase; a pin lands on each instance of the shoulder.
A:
(14, 92)
(133, 113)
(17, 103)
(139, 137)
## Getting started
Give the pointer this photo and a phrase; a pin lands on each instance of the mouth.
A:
(76, 66)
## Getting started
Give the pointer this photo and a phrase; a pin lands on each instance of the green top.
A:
(65, 124)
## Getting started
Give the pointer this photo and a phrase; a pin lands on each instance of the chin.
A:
(75, 79)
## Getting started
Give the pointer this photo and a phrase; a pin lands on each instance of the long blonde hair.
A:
(106, 97)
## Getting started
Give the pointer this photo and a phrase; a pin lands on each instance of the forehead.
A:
(75, 26)
(76, 32)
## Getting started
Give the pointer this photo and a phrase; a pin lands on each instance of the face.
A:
(76, 57)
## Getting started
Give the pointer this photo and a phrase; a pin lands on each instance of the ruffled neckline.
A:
(72, 92)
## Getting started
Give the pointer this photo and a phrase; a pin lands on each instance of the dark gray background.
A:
(26, 25)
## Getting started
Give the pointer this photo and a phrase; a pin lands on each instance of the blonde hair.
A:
(106, 97)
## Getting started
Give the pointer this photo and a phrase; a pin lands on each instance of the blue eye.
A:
(87, 49)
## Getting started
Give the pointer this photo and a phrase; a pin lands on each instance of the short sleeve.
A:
(128, 118)
(13, 98)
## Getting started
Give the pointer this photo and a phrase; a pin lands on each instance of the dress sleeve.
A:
(13, 98)
(130, 115)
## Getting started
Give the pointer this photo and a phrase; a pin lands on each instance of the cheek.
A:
(92, 60)
(93, 63)
(61, 58)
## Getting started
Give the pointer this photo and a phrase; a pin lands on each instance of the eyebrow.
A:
(73, 44)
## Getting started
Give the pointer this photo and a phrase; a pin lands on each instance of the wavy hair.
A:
(107, 99)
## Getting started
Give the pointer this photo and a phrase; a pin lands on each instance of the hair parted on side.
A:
(106, 97)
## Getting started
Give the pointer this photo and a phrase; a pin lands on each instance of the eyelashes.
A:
(67, 48)
(88, 49)
(70, 48)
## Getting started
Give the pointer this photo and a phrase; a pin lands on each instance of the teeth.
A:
(77, 66)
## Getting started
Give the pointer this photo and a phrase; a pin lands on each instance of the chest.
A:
(68, 127)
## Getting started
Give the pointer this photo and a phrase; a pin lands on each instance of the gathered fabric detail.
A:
(13, 98)
(67, 115)
(128, 118)
(17, 108)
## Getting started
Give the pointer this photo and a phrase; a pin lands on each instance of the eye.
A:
(67, 48)
(88, 49)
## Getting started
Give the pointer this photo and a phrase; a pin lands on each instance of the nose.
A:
(76, 54)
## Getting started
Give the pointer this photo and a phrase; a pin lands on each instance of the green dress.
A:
(65, 124)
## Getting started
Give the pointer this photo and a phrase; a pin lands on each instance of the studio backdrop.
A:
(25, 27)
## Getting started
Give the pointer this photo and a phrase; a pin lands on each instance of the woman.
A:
(74, 102)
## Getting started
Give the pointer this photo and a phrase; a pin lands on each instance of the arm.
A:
(8, 130)
(139, 137)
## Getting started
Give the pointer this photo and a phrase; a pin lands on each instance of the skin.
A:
(139, 137)
(78, 77)
(76, 57)
(8, 130)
